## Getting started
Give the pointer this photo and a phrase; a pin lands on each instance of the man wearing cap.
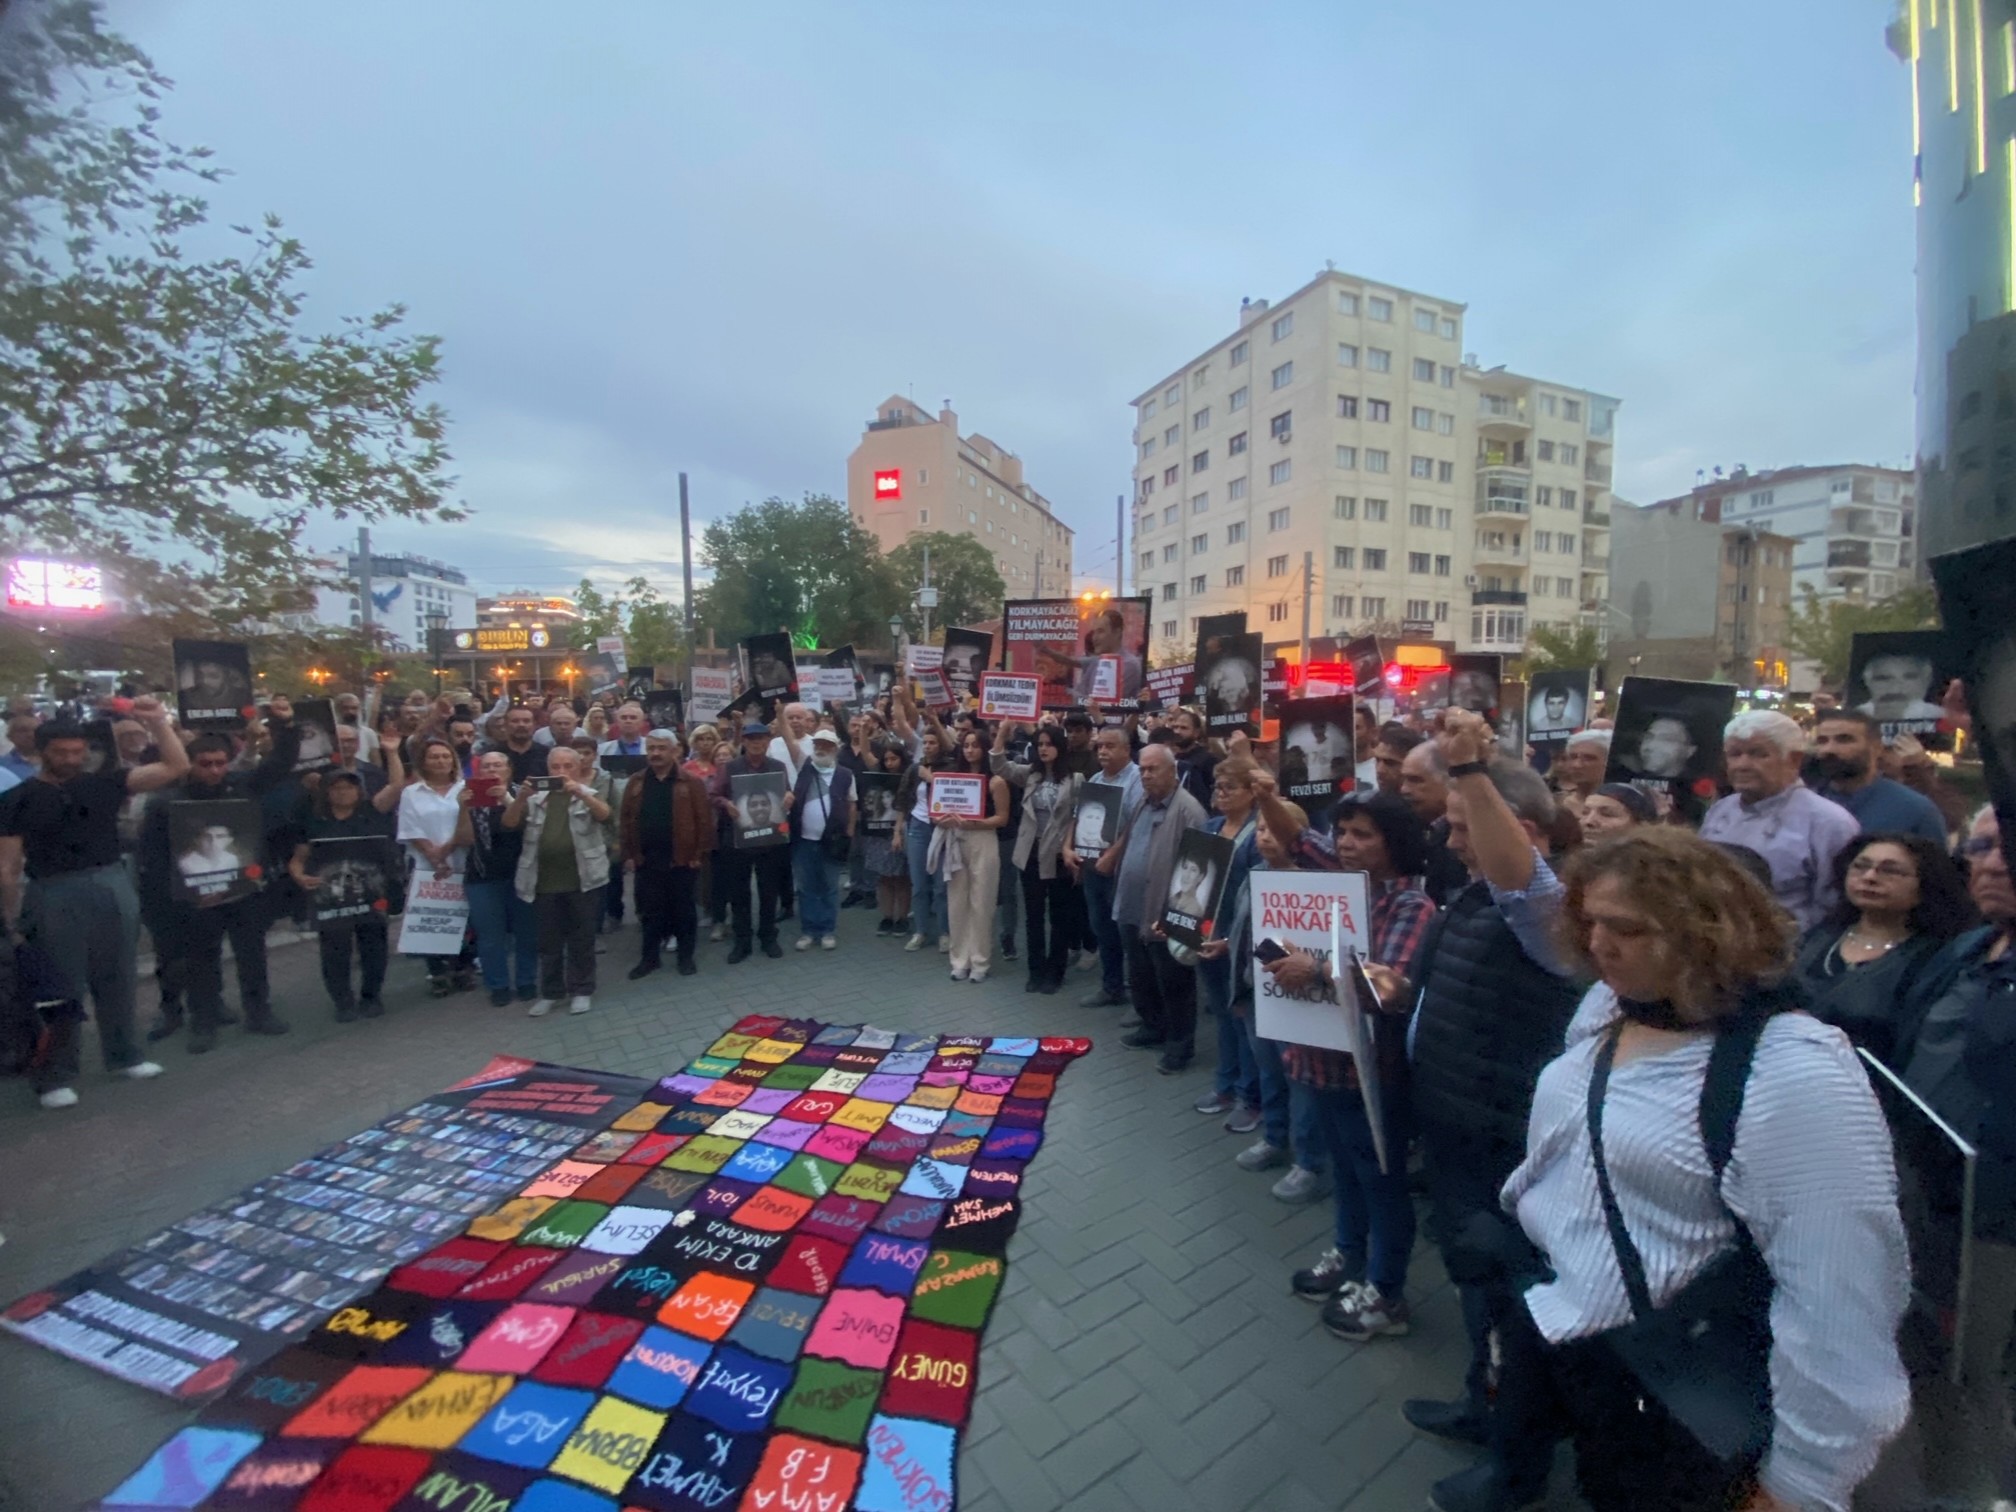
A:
(765, 867)
(666, 830)
(823, 801)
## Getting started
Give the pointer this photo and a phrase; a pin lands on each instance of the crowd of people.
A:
(1621, 1045)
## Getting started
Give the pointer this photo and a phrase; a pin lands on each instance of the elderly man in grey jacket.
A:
(1164, 990)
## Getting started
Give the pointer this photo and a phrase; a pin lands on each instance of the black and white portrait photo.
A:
(1977, 602)
(966, 653)
(1368, 669)
(213, 684)
(1897, 678)
(1558, 705)
(315, 718)
(1097, 823)
(759, 810)
(1189, 911)
(1228, 680)
(353, 878)
(1669, 731)
(1473, 682)
(772, 669)
(1317, 761)
(215, 847)
(878, 801)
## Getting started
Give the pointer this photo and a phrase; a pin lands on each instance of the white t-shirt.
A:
(427, 815)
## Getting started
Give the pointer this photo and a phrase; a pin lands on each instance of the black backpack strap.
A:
(1722, 1089)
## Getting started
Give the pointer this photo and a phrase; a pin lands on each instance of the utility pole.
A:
(1039, 572)
(686, 564)
(364, 582)
(1308, 593)
(927, 597)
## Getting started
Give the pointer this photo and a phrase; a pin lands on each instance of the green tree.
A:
(652, 629)
(1552, 646)
(600, 614)
(962, 570)
(806, 568)
(163, 412)
(1823, 630)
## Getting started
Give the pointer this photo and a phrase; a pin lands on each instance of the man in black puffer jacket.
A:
(1494, 1004)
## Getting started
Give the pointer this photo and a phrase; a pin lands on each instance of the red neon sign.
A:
(889, 483)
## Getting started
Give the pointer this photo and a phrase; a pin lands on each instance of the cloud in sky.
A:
(664, 236)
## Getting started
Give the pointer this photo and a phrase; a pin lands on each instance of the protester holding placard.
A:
(1051, 907)
(883, 857)
(429, 811)
(62, 827)
(1095, 873)
(968, 806)
(342, 819)
(761, 866)
(1164, 990)
(195, 930)
(1235, 1091)
(928, 913)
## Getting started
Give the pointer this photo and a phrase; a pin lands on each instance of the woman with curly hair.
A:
(1701, 1150)
(1902, 898)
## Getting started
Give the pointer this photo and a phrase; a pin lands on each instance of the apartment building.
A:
(408, 594)
(1855, 527)
(913, 471)
(1700, 599)
(1345, 427)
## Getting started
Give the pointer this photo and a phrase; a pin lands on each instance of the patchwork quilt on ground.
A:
(763, 1287)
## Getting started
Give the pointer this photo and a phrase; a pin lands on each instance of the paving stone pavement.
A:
(1145, 1353)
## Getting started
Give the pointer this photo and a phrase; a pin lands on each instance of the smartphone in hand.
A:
(486, 792)
(1269, 950)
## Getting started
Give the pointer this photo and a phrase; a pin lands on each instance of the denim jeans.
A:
(818, 882)
(1287, 1119)
(1099, 908)
(1238, 1075)
(1375, 1214)
(1008, 907)
(928, 915)
(507, 935)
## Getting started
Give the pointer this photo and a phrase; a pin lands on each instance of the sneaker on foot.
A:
(642, 969)
(1214, 1102)
(945, 944)
(915, 942)
(59, 1097)
(540, 1008)
(143, 1070)
(1260, 1157)
(827, 942)
(804, 942)
(1087, 959)
(959, 973)
(718, 933)
(580, 1005)
(979, 974)
(1142, 1039)
(1333, 1271)
(1300, 1185)
(1361, 1313)
(1007, 950)
(1244, 1119)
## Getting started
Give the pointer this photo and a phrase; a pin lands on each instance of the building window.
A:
(1417, 561)
(1201, 461)
(1284, 325)
(1344, 558)
(1424, 370)
(1565, 586)
(1424, 320)
(1199, 544)
(1571, 409)
(1441, 566)
(1147, 409)
(1199, 503)
(1236, 445)
(1235, 577)
(1567, 540)
(1168, 590)
(1543, 540)
(1378, 360)
(1282, 376)
(1198, 374)
(1173, 395)
(1347, 407)
(1375, 558)
(1172, 435)
(1148, 448)
(1277, 612)
(1147, 487)
(1238, 355)
(1340, 606)
(1378, 411)
(1347, 304)
(1447, 326)
(1147, 561)
(1567, 498)
(1277, 519)
(1377, 461)
(1544, 451)
(1570, 453)
(1417, 608)
(1419, 514)
(1379, 309)
(1374, 607)
(1169, 552)
(1169, 515)
(1444, 519)
(1445, 423)
(1280, 471)
(1202, 419)
(923, 517)
(1421, 467)
(1277, 566)
(1445, 472)
(1236, 489)
(1235, 532)
(1543, 495)
(1446, 376)
(1347, 355)
(1346, 508)
(1170, 474)
(1238, 400)
(1282, 426)
(1197, 584)
(1375, 511)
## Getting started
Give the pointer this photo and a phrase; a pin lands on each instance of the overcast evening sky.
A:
(657, 235)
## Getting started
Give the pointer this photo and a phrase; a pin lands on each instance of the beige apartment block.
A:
(914, 472)
(1345, 427)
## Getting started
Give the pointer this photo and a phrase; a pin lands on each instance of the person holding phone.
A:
(561, 873)
(429, 810)
(506, 927)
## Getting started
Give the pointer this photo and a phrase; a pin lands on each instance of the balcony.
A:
(1498, 629)
(1591, 515)
(1480, 597)
(1503, 490)
(1597, 472)
(1497, 411)
(1508, 550)
(1849, 554)
(1595, 561)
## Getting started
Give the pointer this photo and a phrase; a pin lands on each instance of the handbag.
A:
(833, 846)
(1705, 1355)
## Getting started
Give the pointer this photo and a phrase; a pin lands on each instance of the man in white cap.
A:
(823, 803)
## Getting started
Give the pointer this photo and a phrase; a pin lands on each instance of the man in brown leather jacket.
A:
(666, 829)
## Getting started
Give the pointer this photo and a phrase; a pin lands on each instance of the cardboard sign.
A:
(965, 658)
(1196, 885)
(216, 845)
(1897, 678)
(1295, 910)
(612, 647)
(1669, 733)
(437, 915)
(771, 665)
(713, 687)
(834, 685)
(355, 875)
(1228, 676)
(1106, 677)
(213, 684)
(878, 801)
(1557, 704)
(1061, 640)
(1097, 823)
(760, 821)
(1008, 695)
(315, 718)
(935, 690)
(959, 795)
(1318, 760)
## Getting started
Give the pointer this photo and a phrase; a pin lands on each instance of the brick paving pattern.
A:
(1145, 1353)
